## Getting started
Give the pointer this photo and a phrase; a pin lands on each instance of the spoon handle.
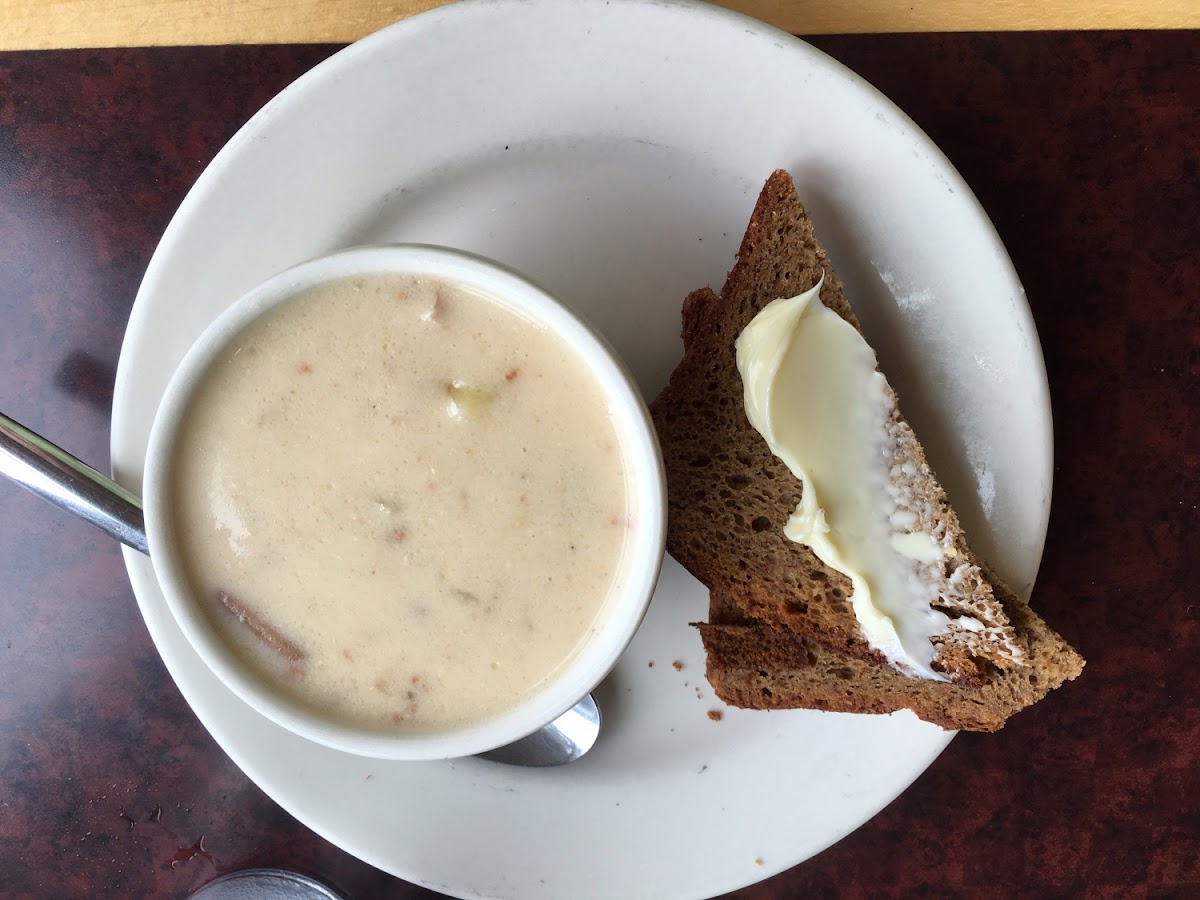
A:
(55, 475)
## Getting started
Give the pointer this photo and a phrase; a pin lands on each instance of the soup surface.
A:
(402, 503)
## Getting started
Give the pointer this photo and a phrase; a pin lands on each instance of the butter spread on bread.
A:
(783, 630)
(813, 390)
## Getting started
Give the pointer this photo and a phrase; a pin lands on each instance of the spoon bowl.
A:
(564, 740)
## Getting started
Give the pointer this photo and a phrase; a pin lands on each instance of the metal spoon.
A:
(55, 475)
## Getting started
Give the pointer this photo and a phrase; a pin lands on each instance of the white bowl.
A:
(641, 559)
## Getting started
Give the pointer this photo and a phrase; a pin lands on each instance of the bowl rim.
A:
(642, 554)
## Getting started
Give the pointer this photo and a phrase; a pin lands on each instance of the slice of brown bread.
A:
(783, 632)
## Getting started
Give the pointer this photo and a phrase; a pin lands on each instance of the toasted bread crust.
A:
(783, 632)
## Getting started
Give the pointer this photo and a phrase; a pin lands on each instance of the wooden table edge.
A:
(74, 24)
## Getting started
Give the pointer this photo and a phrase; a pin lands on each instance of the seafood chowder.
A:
(401, 503)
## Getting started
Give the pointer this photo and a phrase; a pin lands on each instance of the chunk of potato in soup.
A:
(403, 504)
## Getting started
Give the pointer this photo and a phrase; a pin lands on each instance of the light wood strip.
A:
(43, 24)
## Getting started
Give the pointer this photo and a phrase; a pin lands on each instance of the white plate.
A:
(612, 151)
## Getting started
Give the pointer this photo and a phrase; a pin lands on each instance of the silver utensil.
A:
(265, 884)
(58, 477)
(562, 741)
(55, 475)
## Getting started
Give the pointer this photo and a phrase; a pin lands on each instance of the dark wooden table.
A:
(1084, 149)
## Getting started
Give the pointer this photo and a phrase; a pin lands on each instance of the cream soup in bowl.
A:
(405, 503)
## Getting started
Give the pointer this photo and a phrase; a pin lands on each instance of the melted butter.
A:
(812, 390)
